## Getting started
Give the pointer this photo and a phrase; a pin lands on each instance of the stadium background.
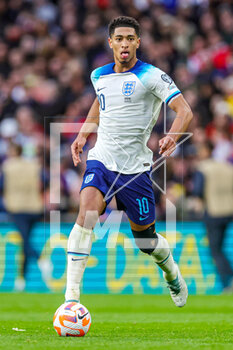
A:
(47, 52)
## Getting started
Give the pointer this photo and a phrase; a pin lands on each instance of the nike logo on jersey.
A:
(81, 317)
(76, 259)
(141, 218)
(99, 89)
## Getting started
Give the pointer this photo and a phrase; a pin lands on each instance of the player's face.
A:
(124, 43)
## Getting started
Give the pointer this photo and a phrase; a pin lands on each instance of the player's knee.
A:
(87, 218)
(146, 240)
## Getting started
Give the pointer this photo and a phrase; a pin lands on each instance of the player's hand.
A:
(167, 145)
(77, 148)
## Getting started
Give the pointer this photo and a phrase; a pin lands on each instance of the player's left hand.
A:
(167, 145)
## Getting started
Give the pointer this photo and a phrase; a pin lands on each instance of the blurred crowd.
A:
(48, 49)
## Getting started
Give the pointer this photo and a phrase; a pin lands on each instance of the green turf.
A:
(120, 322)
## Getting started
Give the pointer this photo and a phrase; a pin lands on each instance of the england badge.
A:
(128, 88)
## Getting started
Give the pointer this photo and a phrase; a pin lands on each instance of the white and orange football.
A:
(72, 319)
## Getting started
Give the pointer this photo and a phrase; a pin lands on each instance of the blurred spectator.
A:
(22, 200)
(213, 181)
(30, 134)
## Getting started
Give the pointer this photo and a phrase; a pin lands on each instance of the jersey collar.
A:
(137, 64)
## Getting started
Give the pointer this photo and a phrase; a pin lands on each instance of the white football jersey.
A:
(130, 103)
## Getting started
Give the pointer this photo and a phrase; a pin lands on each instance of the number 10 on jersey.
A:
(101, 99)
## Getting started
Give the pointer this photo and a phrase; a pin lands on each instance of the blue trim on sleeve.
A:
(105, 70)
(172, 95)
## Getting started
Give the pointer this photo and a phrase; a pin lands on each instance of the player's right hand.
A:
(77, 148)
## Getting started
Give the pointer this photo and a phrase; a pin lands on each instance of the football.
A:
(72, 319)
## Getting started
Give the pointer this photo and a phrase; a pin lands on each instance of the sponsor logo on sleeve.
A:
(168, 80)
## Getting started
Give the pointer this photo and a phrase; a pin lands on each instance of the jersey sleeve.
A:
(159, 83)
(164, 87)
(99, 72)
(94, 79)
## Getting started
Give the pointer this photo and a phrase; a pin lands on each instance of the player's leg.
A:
(80, 239)
(139, 204)
(152, 243)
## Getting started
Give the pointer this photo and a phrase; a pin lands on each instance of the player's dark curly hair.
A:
(124, 21)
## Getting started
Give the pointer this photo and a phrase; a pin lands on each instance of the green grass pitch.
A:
(119, 322)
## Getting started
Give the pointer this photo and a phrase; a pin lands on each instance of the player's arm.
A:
(180, 124)
(90, 125)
